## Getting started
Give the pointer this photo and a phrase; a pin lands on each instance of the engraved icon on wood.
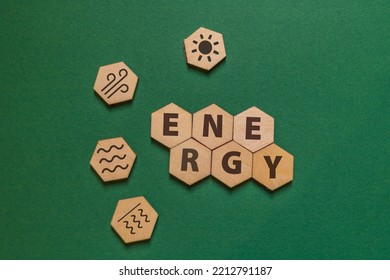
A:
(115, 83)
(134, 219)
(204, 48)
(113, 159)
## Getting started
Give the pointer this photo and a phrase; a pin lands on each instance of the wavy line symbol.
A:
(136, 221)
(113, 170)
(141, 213)
(112, 159)
(129, 227)
(129, 212)
(111, 78)
(109, 149)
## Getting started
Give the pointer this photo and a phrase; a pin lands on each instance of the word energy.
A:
(213, 142)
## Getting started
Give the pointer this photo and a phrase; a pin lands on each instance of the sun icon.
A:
(205, 47)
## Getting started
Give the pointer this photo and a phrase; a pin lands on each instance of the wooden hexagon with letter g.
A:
(231, 164)
(115, 83)
(134, 219)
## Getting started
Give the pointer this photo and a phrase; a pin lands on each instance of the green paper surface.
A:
(320, 68)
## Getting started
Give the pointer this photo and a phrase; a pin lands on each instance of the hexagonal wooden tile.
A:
(253, 129)
(273, 167)
(112, 159)
(115, 83)
(134, 219)
(171, 125)
(204, 48)
(190, 161)
(212, 126)
(231, 164)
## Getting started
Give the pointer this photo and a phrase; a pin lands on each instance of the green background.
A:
(320, 68)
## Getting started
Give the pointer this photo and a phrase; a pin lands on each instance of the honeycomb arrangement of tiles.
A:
(209, 142)
(231, 149)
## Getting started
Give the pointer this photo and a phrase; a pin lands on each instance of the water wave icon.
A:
(112, 159)
(143, 215)
(115, 168)
(110, 148)
(129, 227)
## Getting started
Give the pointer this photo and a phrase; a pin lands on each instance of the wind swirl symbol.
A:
(112, 87)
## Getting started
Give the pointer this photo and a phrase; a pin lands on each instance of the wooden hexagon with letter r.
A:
(113, 159)
(253, 129)
(190, 161)
(212, 126)
(134, 219)
(204, 48)
(231, 164)
(273, 167)
(171, 125)
(115, 83)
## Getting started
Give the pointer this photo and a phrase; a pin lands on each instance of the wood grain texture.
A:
(113, 159)
(171, 125)
(190, 162)
(253, 129)
(115, 83)
(204, 48)
(212, 126)
(231, 164)
(273, 167)
(134, 219)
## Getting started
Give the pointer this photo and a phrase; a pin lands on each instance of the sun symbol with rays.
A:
(205, 47)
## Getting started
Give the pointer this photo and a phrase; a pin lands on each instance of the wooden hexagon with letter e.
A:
(190, 161)
(171, 125)
(253, 129)
(204, 48)
(231, 164)
(134, 219)
(113, 159)
(273, 167)
(212, 126)
(115, 83)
